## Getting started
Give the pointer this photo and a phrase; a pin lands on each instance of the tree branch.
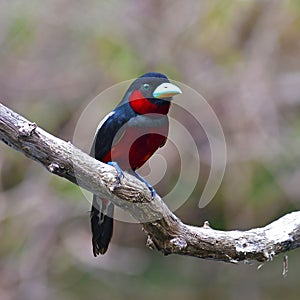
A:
(165, 231)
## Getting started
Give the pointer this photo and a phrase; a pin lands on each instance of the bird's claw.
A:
(149, 186)
(153, 191)
(120, 174)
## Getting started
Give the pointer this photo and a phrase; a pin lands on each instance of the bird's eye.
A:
(146, 86)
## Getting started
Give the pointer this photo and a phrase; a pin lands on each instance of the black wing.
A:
(112, 126)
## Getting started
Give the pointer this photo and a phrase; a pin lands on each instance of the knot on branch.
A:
(26, 128)
(178, 244)
(55, 168)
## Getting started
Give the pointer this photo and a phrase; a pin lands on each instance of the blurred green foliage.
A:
(20, 35)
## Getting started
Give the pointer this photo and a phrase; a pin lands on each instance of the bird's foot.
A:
(149, 186)
(120, 173)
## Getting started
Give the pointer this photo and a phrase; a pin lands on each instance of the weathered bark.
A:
(165, 231)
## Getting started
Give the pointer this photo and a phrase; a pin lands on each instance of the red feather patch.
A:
(142, 105)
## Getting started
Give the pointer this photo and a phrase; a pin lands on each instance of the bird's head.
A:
(152, 93)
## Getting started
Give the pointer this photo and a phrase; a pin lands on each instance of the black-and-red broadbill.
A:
(126, 138)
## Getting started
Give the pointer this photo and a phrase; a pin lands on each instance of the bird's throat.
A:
(142, 105)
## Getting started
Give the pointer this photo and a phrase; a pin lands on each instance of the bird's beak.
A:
(166, 90)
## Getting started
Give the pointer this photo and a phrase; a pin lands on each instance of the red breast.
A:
(136, 146)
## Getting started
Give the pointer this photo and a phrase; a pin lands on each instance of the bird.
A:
(126, 138)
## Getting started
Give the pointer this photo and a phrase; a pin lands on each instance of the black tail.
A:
(101, 224)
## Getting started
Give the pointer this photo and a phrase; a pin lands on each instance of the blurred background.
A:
(242, 56)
